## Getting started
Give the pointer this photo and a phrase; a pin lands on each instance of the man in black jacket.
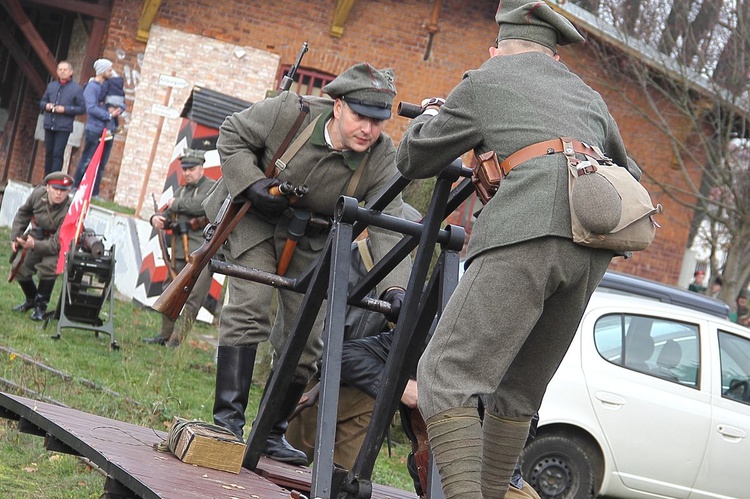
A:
(61, 103)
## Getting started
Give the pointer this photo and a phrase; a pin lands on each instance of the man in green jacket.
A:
(186, 218)
(346, 153)
(45, 210)
(514, 313)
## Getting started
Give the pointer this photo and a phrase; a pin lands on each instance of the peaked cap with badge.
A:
(368, 91)
(192, 157)
(534, 22)
(59, 180)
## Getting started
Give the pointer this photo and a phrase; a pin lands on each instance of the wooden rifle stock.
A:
(163, 243)
(16, 267)
(173, 298)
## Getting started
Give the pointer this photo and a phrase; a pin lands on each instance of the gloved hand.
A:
(263, 201)
(394, 296)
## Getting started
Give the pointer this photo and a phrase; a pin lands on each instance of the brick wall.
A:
(202, 61)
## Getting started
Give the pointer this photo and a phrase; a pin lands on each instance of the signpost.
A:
(163, 111)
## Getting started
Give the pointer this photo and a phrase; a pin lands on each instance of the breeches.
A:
(33, 263)
(507, 327)
(247, 317)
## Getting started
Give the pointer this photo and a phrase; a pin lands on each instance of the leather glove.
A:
(263, 201)
(394, 296)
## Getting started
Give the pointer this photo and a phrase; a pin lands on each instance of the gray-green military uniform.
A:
(256, 241)
(514, 313)
(247, 143)
(47, 219)
(186, 207)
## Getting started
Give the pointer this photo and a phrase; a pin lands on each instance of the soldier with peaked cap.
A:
(45, 210)
(346, 151)
(521, 252)
(186, 217)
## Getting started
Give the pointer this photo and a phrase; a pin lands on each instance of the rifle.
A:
(163, 243)
(173, 298)
(16, 267)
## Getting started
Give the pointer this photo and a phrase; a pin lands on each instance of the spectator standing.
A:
(61, 103)
(99, 118)
(697, 284)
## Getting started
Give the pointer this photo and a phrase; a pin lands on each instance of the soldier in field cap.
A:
(522, 99)
(186, 217)
(340, 148)
(45, 210)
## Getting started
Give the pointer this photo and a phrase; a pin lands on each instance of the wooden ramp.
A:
(125, 452)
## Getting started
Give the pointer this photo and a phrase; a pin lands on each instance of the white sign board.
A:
(172, 81)
(166, 111)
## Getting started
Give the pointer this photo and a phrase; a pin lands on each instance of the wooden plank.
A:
(125, 452)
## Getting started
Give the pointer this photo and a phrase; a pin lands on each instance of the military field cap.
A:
(101, 65)
(743, 293)
(534, 22)
(59, 180)
(192, 157)
(368, 91)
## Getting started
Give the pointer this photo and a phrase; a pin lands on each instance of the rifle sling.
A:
(304, 110)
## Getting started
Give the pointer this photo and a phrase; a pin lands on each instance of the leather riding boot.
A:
(43, 294)
(234, 373)
(277, 446)
(503, 440)
(29, 290)
(456, 443)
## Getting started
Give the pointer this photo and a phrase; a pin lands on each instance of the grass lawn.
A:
(141, 384)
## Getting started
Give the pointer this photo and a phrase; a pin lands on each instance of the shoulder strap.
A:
(354, 181)
(304, 109)
(364, 252)
(293, 149)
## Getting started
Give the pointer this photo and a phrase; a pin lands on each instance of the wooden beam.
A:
(15, 9)
(340, 15)
(93, 49)
(95, 10)
(18, 55)
(150, 8)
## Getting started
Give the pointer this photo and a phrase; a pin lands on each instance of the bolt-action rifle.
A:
(173, 298)
(15, 267)
(163, 244)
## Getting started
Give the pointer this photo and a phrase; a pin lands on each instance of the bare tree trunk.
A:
(629, 17)
(676, 27)
(732, 68)
(704, 23)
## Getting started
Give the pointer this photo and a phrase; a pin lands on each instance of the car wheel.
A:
(561, 467)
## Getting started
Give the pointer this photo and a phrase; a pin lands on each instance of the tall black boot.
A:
(29, 290)
(234, 373)
(43, 294)
(277, 446)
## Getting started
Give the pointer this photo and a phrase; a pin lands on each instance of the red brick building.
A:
(239, 48)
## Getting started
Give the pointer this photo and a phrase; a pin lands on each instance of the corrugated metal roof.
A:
(210, 108)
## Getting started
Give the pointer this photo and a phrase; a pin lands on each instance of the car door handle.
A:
(610, 400)
(731, 433)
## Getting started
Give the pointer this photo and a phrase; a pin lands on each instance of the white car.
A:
(652, 400)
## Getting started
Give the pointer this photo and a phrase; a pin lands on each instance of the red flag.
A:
(73, 223)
